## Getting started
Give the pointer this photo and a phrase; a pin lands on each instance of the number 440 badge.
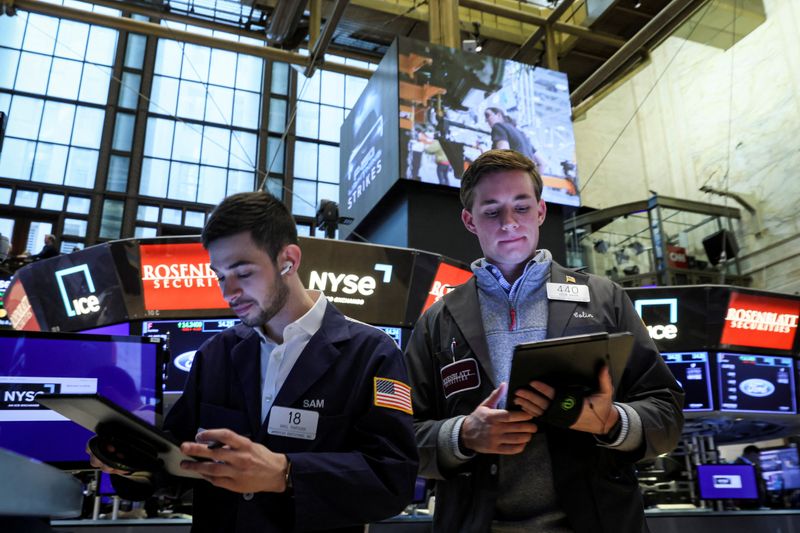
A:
(293, 423)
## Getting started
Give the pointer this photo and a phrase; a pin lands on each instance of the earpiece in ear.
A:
(286, 268)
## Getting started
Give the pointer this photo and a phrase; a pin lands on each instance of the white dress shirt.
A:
(277, 360)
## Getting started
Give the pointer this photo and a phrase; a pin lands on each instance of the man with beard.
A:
(307, 413)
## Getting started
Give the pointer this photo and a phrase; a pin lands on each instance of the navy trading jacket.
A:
(362, 465)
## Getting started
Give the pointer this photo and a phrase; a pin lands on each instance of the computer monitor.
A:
(756, 383)
(126, 370)
(780, 468)
(395, 333)
(727, 482)
(183, 338)
(691, 371)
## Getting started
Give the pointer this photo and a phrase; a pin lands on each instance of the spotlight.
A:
(621, 256)
(600, 246)
(631, 270)
(637, 247)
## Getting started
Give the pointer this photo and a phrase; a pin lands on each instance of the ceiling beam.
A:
(540, 32)
(317, 54)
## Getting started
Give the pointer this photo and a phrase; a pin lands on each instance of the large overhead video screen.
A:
(756, 383)
(760, 321)
(455, 105)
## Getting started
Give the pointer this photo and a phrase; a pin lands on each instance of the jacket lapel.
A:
(246, 357)
(559, 312)
(463, 305)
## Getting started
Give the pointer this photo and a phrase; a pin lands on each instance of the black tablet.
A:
(569, 362)
(105, 418)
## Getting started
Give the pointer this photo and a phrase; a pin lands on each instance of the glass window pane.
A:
(72, 37)
(171, 216)
(111, 219)
(148, 213)
(88, 127)
(305, 160)
(280, 78)
(57, 122)
(188, 139)
(354, 86)
(307, 120)
(304, 230)
(39, 37)
(155, 174)
(329, 163)
(129, 90)
(32, 73)
(183, 182)
(240, 181)
(216, 145)
(330, 120)
(74, 226)
(102, 46)
(275, 155)
(53, 202)
(275, 187)
(243, 150)
(158, 139)
(308, 88)
(65, 79)
(191, 100)
(81, 168)
(24, 117)
(5, 192)
(249, 73)
(195, 63)
(5, 102)
(223, 68)
(118, 174)
(328, 191)
(219, 105)
(26, 198)
(333, 82)
(123, 132)
(304, 198)
(212, 184)
(277, 115)
(134, 52)
(142, 232)
(12, 30)
(94, 86)
(246, 109)
(8, 66)
(78, 204)
(49, 163)
(195, 219)
(168, 58)
(16, 159)
(164, 95)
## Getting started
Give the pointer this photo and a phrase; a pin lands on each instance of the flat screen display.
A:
(780, 468)
(724, 482)
(183, 338)
(395, 333)
(691, 371)
(756, 383)
(126, 370)
(760, 321)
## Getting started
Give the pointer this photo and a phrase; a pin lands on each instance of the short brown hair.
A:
(493, 161)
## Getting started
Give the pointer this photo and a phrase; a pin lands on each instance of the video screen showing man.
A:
(565, 461)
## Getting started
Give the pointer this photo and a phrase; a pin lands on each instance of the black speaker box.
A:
(714, 244)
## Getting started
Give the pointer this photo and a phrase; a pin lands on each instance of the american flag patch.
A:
(393, 394)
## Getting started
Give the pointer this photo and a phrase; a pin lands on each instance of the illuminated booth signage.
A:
(448, 277)
(760, 321)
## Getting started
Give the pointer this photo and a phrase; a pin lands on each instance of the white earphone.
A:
(286, 268)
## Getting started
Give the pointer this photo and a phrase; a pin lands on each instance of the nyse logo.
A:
(82, 305)
(349, 283)
(660, 331)
(14, 395)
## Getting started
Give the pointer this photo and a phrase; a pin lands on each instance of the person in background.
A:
(507, 136)
(48, 250)
(751, 455)
(505, 470)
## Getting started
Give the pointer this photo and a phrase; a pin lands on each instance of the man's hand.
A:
(532, 403)
(491, 430)
(240, 465)
(598, 415)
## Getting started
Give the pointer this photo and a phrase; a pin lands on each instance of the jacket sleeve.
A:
(648, 386)
(375, 479)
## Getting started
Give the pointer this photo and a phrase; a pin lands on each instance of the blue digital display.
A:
(756, 383)
(727, 481)
(395, 333)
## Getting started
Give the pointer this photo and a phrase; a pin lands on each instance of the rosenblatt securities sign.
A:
(760, 321)
(178, 276)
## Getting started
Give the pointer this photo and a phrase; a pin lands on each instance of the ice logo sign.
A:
(184, 361)
(661, 331)
(82, 305)
(757, 387)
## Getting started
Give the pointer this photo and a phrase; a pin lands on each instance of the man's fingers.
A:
(606, 386)
(495, 397)
(510, 449)
(224, 436)
(543, 388)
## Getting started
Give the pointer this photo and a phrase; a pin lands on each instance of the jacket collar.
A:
(559, 312)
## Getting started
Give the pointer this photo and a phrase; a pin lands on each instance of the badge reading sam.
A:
(460, 376)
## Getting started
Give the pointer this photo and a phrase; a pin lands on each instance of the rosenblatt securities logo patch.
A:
(179, 276)
(760, 321)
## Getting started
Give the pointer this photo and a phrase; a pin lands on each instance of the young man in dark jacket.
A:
(503, 470)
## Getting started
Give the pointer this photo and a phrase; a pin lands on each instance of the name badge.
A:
(568, 292)
(293, 423)
(460, 376)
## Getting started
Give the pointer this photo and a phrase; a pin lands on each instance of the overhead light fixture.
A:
(621, 256)
(637, 247)
(600, 246)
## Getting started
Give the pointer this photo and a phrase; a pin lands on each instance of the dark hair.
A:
(270, 224)
(751, 448)
(493, 161)
(498, 111)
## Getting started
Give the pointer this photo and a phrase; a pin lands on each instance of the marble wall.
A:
(699, 115)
